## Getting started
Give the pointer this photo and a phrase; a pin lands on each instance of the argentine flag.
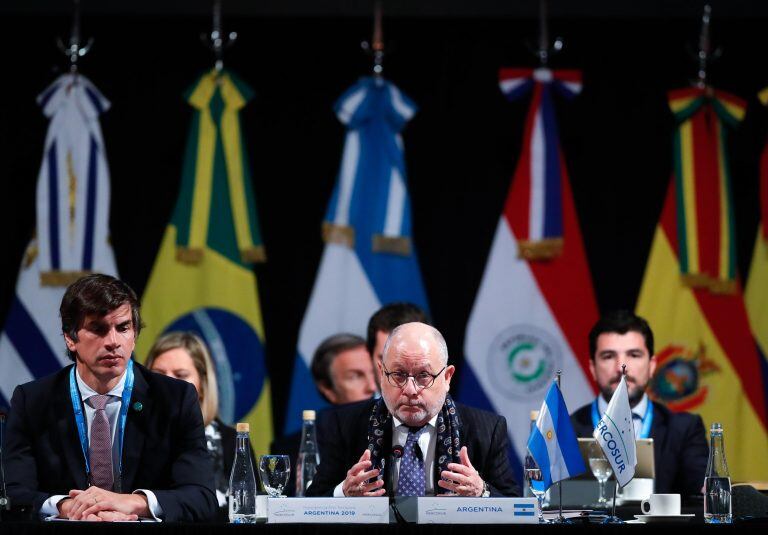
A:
(369, 259)
(615, 433)
(553, 443)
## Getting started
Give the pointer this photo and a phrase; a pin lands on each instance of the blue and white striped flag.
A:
(71, 237)
(369, 259)
(553, 443)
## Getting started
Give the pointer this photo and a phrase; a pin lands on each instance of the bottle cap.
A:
(243, 427)
(534, 415)
(308, 415)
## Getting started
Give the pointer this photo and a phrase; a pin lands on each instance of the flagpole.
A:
(613, 519)
(560, 519)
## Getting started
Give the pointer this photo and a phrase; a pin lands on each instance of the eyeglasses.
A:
(422, 380)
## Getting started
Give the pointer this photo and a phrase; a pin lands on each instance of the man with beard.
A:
(679, 440)
(447, 448)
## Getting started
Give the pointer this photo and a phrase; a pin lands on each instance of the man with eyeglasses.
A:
(447, 448)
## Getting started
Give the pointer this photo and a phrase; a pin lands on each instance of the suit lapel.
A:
(135, 428)
(70, 440)
(658, 433)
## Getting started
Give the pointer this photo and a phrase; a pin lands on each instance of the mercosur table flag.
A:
(615, 433)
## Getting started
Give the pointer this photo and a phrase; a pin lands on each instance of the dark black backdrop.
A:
(461, 147)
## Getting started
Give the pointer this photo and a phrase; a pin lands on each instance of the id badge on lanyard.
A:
(82, 430)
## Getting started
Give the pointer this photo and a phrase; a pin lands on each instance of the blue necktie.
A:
(411, 481)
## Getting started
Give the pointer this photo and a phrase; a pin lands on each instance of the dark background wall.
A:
(461, 148)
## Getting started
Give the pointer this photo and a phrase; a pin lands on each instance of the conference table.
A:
(579, 527)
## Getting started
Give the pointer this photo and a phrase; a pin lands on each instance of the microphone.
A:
(394, 454)
(5, 504)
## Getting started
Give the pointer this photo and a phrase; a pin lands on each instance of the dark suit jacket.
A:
(344, 438)
(164, 448)
(680, 448)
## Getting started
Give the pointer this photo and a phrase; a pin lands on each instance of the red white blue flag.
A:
(535, 304)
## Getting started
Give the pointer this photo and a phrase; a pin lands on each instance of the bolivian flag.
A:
(202, 280)
(707, 360)
(756, 293)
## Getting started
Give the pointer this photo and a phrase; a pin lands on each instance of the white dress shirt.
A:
(112, 409)
(427, 444)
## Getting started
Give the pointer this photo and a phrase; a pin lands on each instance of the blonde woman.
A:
(184, 355)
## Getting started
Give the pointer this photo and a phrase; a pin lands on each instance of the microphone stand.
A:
(396, 453)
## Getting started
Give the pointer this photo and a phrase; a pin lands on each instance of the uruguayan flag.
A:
(71, 235)
(615, 433)
(369, 259)
(553, 443)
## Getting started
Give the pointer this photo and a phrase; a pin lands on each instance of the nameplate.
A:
(328, 510)
(454, 510)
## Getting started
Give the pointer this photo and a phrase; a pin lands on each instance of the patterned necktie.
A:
(411, 481)
(100, 449)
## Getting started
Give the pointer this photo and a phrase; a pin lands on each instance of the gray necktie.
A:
(100, 449)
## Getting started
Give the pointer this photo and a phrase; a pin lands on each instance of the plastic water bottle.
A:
(309, 456)
(242, 481)
(717, 482)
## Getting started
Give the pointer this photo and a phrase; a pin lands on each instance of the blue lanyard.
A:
(645, 431)
(82, 431)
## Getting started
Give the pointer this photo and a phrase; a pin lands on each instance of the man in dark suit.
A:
(679, 440)
(447, 448)
(343, 373)
(64, 453)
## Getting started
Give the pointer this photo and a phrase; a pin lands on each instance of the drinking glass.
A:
(275, 471)
(534, 478)
(601, 469)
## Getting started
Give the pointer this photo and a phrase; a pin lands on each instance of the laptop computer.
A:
(583, 490)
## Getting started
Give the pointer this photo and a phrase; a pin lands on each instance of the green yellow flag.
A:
(202, 279)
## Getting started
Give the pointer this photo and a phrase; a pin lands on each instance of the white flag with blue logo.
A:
(72, 231)
(369, 259)
(615, 433)
(553, 443)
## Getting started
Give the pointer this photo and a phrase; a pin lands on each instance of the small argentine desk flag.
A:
(616, 435)
(553, 443)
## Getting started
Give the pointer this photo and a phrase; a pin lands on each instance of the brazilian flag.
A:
(202, 280)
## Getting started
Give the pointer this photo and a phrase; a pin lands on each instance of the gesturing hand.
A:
(356, 483)
(462, 479)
